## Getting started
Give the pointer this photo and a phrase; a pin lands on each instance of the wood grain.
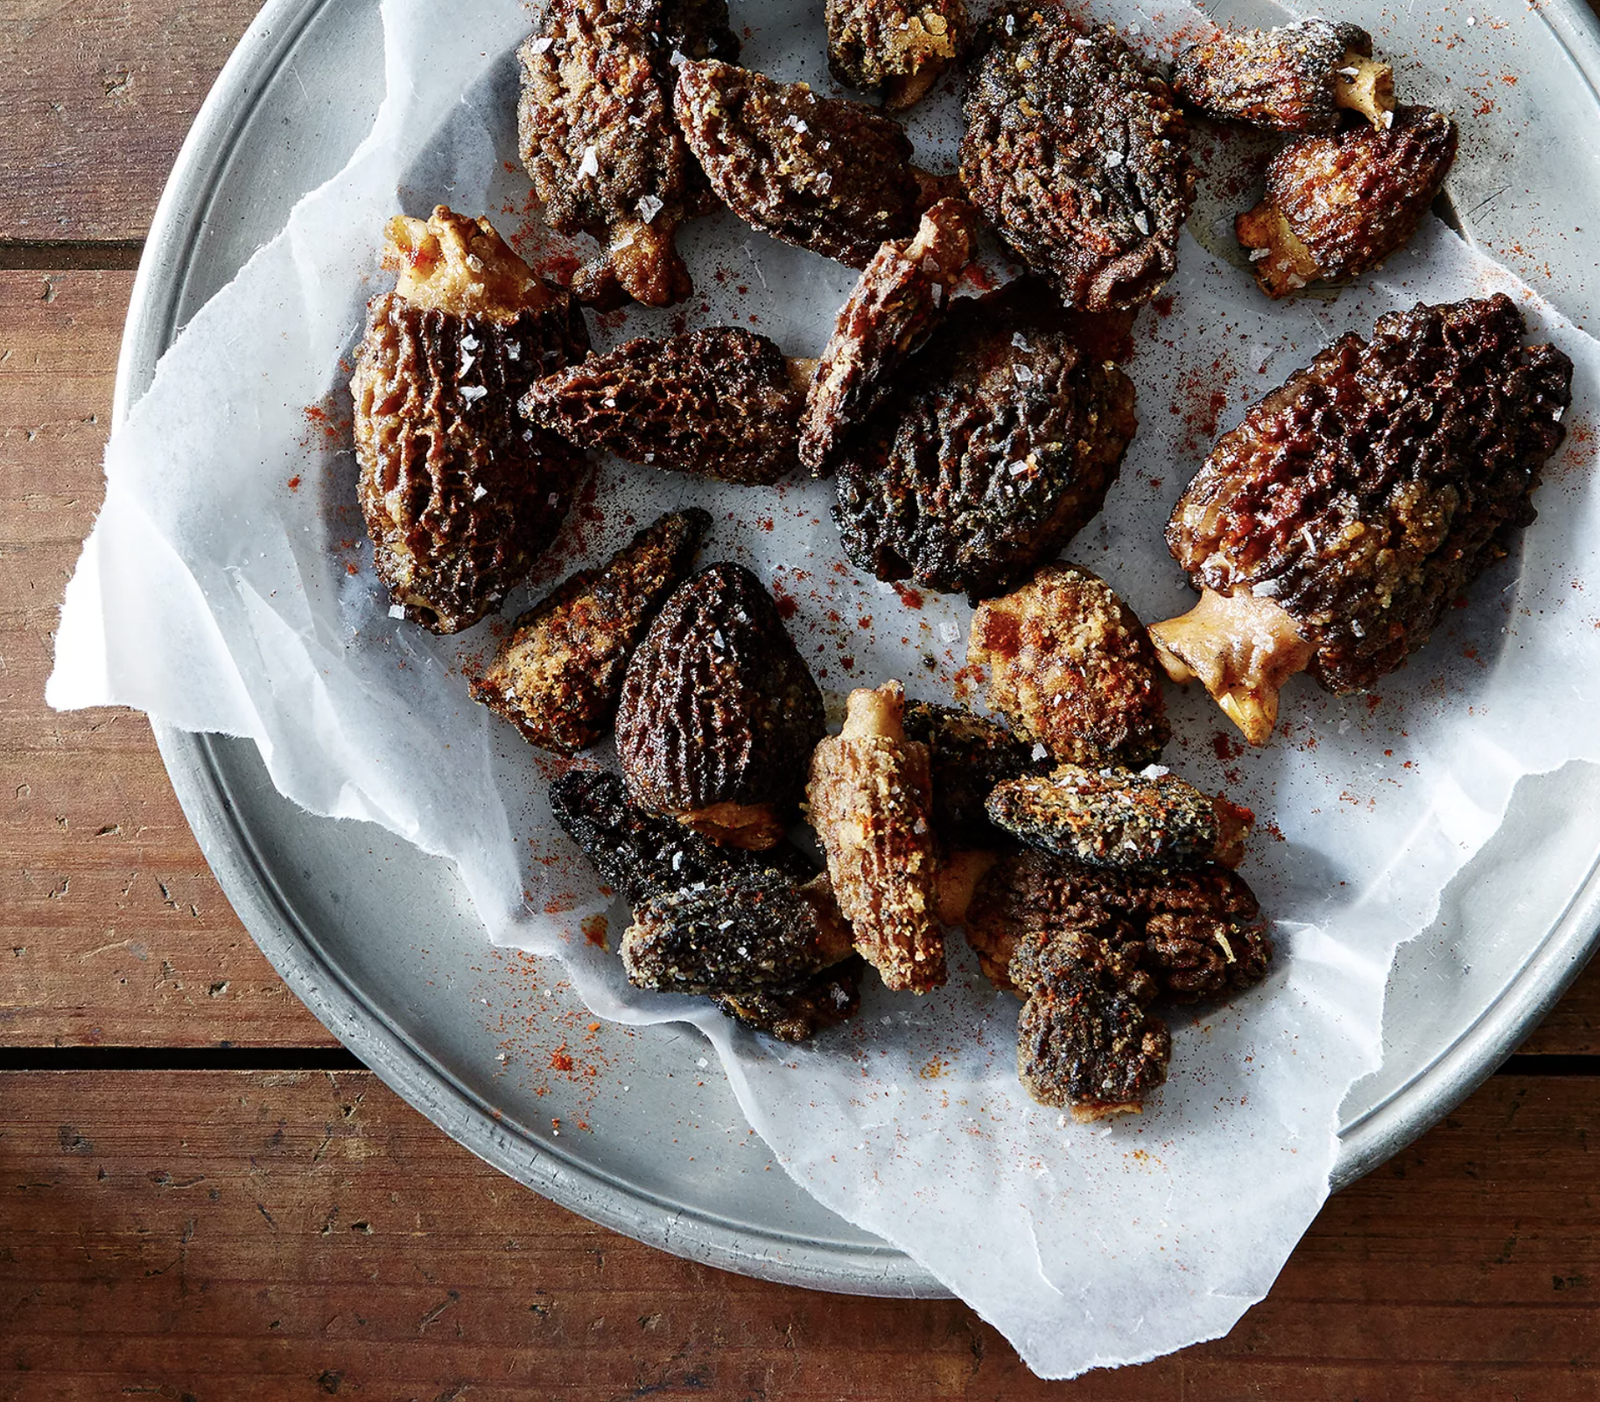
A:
(252, 1236)
(112, 929)
(95, 100)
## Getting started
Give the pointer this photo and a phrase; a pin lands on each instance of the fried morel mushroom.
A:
(1338, 205)
(1299, 78)
(459, 496)
(719, 713)
(818, 172)
(599, 140)
(754, 931)
(967, 756)
(1077, 154)
(1200, 928)
(1085, 1040)
(822, 1001)
(902, 296)
(994, 446)
(721, 402)
(1070, 666)
(558, 676)
(1119, 818)
(1331, 529)
(870, 801)
(895, 47)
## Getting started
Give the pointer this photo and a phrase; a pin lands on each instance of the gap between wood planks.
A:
(224, 1058)
(71, 257)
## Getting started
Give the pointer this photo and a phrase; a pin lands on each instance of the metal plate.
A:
(632, 1128)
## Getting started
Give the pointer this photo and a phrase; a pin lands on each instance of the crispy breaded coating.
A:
(822, 1001)
(459, 496)
(896, 47)
(995, 445)
(1119, 818)
(1299, 78)
(753, 931)
(1338, 205)
(639, 854)
(1331, 529)
(558, 676)
(1200, 929)
(819, 172)
(599, 140)
(1085, 1040)
(1071, 667)
(719, 713)
(1076, 153)
(869, 800)
(719, 402)
(902, 296)
(967, 756)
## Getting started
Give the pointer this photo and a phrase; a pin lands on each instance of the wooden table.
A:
(203, 1197)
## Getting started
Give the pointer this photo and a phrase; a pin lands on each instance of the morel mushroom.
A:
(995, 445)
(896, 47)
(719, 713)
(460, 497)
(1338, 205)
(558, 677)
(754, 931)
(822, 1001)
(1200, 929)
(902, 296)
(819, 172)
(869, 800)
(1299, 78)
(598, 137)
(1331, 529)
(1071, 667)
(1085, 1041)
(1117, 818)
(721, 402)
(1077, 154)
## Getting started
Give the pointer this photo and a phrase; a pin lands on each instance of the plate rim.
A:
(1372, 1137)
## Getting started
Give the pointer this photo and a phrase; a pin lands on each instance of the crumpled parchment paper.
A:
(217, 593)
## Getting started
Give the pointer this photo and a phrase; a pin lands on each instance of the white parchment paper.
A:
(227, 587)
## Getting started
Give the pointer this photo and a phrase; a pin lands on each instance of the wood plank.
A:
(112, 929)
(257, 1236)
(95, 99)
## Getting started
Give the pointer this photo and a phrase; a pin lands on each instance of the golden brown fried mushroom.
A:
(1071, 667)
(459, 496)
(819, 172)
(1298, 78)
(869, 800)
(896, 47)
(1331, 529)
(721, 402)
(902, 296)
(599, 140)
(1339, 205)
(1077, 154)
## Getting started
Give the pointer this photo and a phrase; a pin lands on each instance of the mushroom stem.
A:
(875, 714)
(1242, 647)
(956, 882)
(1366, 86)
(752, 826)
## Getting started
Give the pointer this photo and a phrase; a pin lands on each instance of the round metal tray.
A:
(380, 943)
